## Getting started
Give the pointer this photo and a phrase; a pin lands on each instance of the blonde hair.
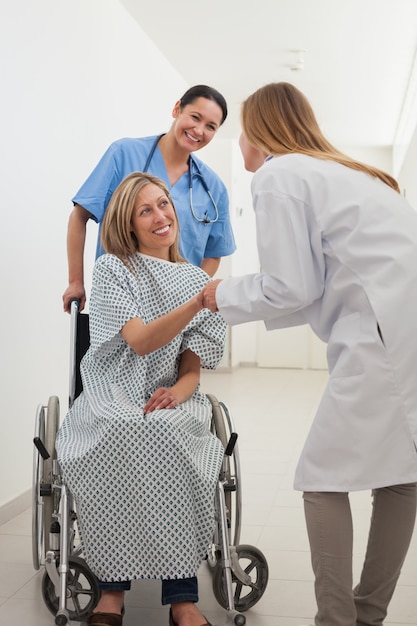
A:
(116, 231)
(278, 119)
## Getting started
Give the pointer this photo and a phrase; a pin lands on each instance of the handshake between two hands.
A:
(207, 296)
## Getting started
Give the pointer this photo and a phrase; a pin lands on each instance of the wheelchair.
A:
(69, 588)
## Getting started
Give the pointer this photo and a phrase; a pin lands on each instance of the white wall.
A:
(218, 155)
(225, 157)
(76, 75)
(245, 260)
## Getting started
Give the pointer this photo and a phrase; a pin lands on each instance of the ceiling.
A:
(358, 55)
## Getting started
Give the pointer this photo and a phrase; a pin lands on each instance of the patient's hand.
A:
(163, 398)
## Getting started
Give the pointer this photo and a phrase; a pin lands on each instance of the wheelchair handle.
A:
(74, 310)
(76, 302)
(231, 444)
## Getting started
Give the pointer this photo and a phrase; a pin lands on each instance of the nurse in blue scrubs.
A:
(199, 195)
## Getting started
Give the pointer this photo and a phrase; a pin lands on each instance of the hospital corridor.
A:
(272, 410)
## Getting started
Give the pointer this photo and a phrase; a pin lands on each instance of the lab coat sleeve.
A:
(291, 261)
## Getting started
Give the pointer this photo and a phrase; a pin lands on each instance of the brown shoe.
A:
(173, 623)
(105, 619)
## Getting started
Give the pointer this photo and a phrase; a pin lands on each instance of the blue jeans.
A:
(173, 590)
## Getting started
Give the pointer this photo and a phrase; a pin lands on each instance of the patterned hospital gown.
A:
(143, 484)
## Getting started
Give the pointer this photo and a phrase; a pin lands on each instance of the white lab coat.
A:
(338, 251)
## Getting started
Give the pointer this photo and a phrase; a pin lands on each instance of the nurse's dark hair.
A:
(116, 232)
(278, 119)
(204, 91)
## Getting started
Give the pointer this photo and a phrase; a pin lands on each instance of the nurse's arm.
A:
(210, 266)
(75, 251)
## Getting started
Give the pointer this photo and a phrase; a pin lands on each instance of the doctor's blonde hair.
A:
(116, 232)
(278, 119)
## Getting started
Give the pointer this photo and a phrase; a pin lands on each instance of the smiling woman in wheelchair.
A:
(135, 447)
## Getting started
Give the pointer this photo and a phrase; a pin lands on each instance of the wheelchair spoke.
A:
(77, 605)
(238, 591)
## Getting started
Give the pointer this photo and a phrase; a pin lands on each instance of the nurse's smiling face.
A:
(196, 123)
(154, 222)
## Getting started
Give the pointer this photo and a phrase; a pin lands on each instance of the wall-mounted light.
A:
(299, 60)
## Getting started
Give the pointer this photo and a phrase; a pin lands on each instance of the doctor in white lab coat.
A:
(338, 251)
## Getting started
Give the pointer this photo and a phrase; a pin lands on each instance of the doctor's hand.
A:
(209, 295)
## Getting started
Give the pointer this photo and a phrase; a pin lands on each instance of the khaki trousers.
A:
(330, 531)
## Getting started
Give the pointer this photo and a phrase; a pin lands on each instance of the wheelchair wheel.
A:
(222, 427)
(253, 563)
(82, 591)
(43, 504)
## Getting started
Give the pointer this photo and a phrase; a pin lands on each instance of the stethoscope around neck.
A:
(197, 172)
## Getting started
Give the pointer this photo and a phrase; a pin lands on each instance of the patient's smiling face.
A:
(154, 222)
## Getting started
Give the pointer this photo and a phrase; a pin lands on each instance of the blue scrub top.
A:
(197, 239)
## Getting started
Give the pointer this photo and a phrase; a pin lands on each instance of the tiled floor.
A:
(272, 410)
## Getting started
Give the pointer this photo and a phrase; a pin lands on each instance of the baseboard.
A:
(226, 369)
(15, 507)
(243, 364)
